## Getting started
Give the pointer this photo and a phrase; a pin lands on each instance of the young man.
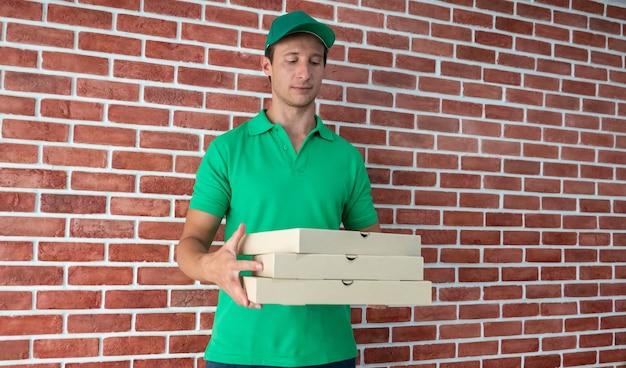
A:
(282, 169)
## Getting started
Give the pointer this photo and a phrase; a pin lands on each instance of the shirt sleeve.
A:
(359, 211)
(212, 191)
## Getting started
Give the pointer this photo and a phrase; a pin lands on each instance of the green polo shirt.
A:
(253, 175)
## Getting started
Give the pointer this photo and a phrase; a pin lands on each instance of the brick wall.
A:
(494, 129)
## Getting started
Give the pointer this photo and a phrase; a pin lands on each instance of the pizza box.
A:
(322, 241)
(340, 266)
(265, 290)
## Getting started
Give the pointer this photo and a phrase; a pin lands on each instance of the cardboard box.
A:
(340, 267)
(362, 292)
(320, 241)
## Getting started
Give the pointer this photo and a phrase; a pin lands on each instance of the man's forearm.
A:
(190, 255)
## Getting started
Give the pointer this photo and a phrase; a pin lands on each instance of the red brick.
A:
(133, 345)
(515, 202)
(143, 71)
(466, 181)
(72, 109)
(516, 346)
(21, 10)
(32, 226)
(208, 298)
(36, 35)
(79, 16)
(421, 103)
(477, 54)
(75, 63)
(122, 4)
(70, 251)
(162, 276)
(16, 201)
(14, 350)
(559, 343)
(502, 292)
(109, 136)
(98, 323)
(234, 59)
(431, 351)
(16, 251)
(17, 105)
(58, 348)
(67, 203)
(178, 9)
(102, 182)
(42, 83)
(165, 322)
(160, 230)
(398, 42)
(192, 343)
(67, 156)
(501, 148)
(369, 97)
(387, 354)
(69, 299)
(99, 275)
(502, 255)
(460, 108)
(107, 90)
(31, 325)
(581, 290)
(171, 96)
(520, 274)
(206, 78)
(458, 331)
(138, 115)
(478, 348)
(148, 26)
(109, 43)
(385, 157)
(15, 300)
(432, 47)
(100, 228)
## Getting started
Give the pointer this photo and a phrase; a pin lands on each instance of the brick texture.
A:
(496, 130)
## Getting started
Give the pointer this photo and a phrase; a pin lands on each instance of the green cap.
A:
(299, 21)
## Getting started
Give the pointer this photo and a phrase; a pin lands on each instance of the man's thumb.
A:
(235, 238)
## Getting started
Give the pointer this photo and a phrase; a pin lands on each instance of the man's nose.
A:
(304, 71)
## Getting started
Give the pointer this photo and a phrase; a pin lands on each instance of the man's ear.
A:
(266, 66)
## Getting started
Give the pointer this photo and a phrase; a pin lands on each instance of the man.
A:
(282, 169)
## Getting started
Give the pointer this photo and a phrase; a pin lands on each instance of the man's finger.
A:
(233, 242)
(249, 266)
(254, 305)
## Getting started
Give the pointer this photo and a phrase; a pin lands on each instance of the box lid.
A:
(321, 241)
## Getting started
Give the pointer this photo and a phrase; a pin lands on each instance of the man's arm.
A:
(220, 267)
(374, 228)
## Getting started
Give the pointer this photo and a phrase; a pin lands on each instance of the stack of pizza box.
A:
(314, 266)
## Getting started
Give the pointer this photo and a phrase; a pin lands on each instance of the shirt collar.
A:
(260, 124)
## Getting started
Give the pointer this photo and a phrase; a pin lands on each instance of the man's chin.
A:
(301, 104)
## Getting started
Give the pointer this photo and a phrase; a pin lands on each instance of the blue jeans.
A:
(350, 363)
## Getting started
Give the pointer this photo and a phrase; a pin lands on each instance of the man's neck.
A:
(295, 121)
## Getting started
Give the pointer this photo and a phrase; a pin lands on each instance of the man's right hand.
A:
(225, 268)
(220, 267)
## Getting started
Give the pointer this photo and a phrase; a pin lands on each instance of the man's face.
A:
(296, 69)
